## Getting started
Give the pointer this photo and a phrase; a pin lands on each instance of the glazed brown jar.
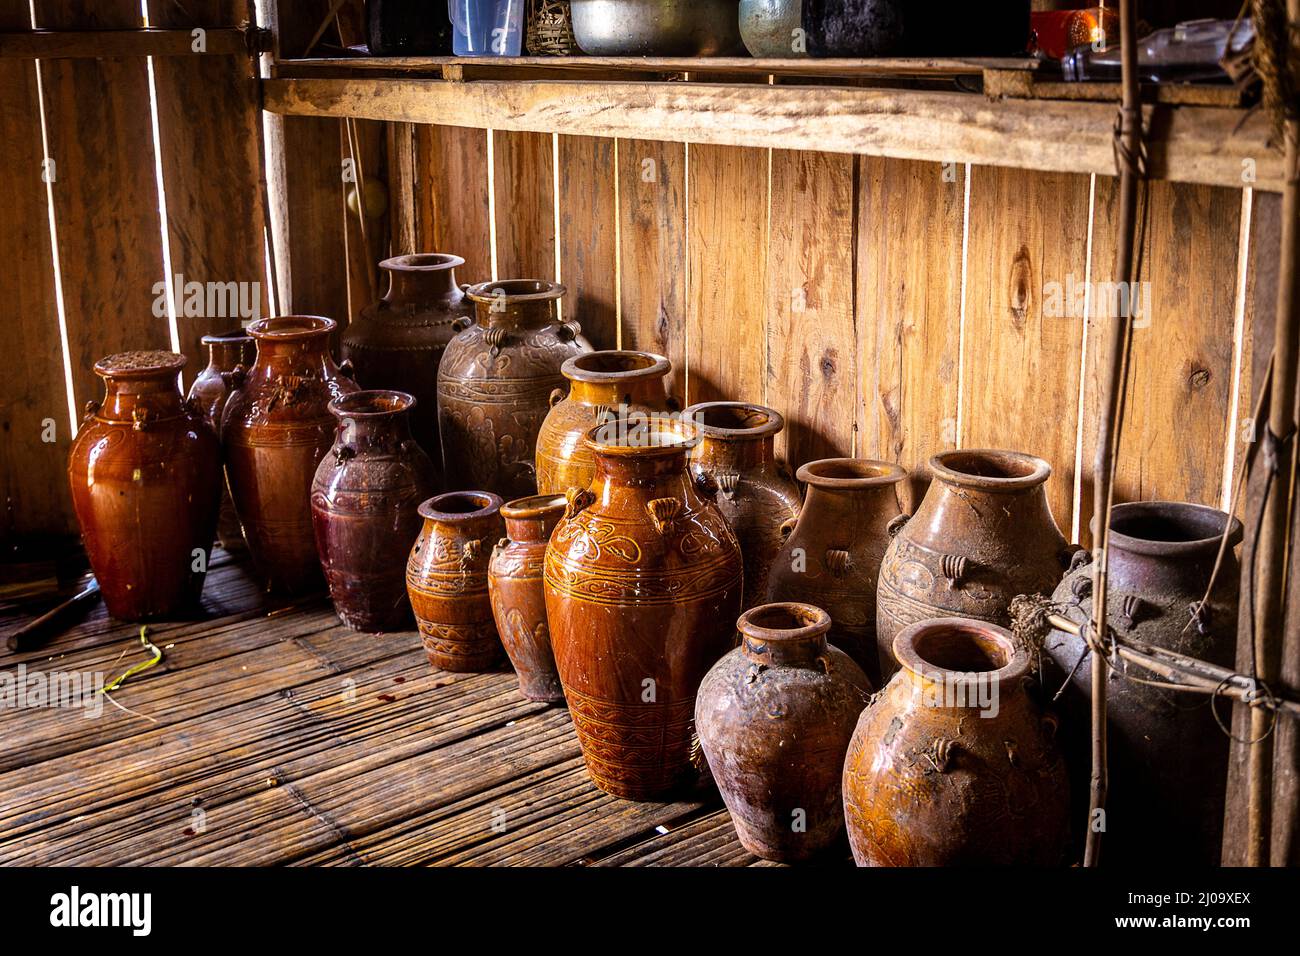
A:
(227, 351)
(643, 580)
(145, 471)
(754, 491)
(495, 384)
(398, 342)
(276, 428)
(365, 503)
(954, 763)
(1164, 748)
(774, 717)
(983, 534)
(602, 385)
(447, 579)
(515, 586)
(832, 557)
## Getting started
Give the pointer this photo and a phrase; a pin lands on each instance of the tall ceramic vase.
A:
(276, 428)
(145, 471)
(643, 579)
(227, 351)
(495, 384)
(832, 557)
(365, 503)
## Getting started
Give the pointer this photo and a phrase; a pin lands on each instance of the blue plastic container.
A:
(486, 27)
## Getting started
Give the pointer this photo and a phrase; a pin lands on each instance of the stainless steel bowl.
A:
(657, 27)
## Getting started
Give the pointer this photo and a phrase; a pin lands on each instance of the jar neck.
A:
(856, 505)
(661, 470)
(416, 286)
(508, 313)
(295, 356)
(534, 530)
(160, 394)
(735, 454)
(634, 389)
(224, 356)
(375, 433)
(786, 650)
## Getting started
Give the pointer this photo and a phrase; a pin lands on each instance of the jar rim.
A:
(849, 474)
(534, 507)
(579, 368)
(516, 290)
(457, 507)
(371, 403)
(772, 424)
(228, 337)
(140, 363)
(290, 328)
(1173, 527)
(955, 648)
(422, 262)
(782, 621)
(990, 469)
(652, 436)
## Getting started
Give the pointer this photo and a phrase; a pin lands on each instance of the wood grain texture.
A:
(727, 275)
(524, 184)
(908, 306)
(652, 250)
(588, 251)
(402, 189)
(1026, 245)
(366, 243)
(452, 212)
(811, 363)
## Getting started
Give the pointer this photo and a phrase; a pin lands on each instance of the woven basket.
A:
(550, 28)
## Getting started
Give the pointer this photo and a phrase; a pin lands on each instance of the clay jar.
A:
(1164, 748)
(226, 352)
(398, 342)
(364, 507)
(832, 557)
(447, 580)
(643, 580)
(495, 384)
(983, 534)
(276, 428)
(754, 491)
(601, 385)
(953, 763)
(515, 586)
(145, 471)
(774, 717)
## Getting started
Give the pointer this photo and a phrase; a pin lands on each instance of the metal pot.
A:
(657, 27)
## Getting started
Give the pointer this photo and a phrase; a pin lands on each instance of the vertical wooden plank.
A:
(652, 250)
(401, 187)
(33, 489)
(523, 177)
(452, 196)
(366, 243)
(588, 251)
(812, 344)
(1026, 255)
(727, 274)
(908, 304)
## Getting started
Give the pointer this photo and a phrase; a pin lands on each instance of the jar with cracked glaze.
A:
(227, 351)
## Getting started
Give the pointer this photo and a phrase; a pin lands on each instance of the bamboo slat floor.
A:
(270, 734)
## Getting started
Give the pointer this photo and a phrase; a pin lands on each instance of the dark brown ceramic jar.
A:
(1164, 749)
(983, 534)
(754, 491)
(227, 351)
(495, 384)
(643, 580)
(774, 717)
(515, 586)
(398, 342)
(276, 428)
(447, 580)
(145, 471)
(602, 385)
(953, 763)
(365, 503)
(832, 557)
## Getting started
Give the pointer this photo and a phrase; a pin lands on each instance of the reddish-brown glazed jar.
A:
(832, 557)
(398, 342)
(227, 351)
(983, 534)
(602, 385)
(495, 384)
(145, 471)
(643, 579)
(754, 491)
(447, 580)
(276, 428)
(954, 763)
(515, 586)
(365, 503)
(774, 717)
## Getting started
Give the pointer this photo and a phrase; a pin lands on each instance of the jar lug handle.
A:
(839, 561)
(896, 523)
(663, 512)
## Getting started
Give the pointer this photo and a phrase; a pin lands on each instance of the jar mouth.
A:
(1169, 528)
(145, 363)
(733, 421)
(289, 328)
(229, 337)
(953, 648)
(460, 506)
(990, 469)
(534, 507)
(642, 436)
(516, 290)
(784, 621)
(422, 262)
(614, 365)
(371, 403)
(848, 474)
